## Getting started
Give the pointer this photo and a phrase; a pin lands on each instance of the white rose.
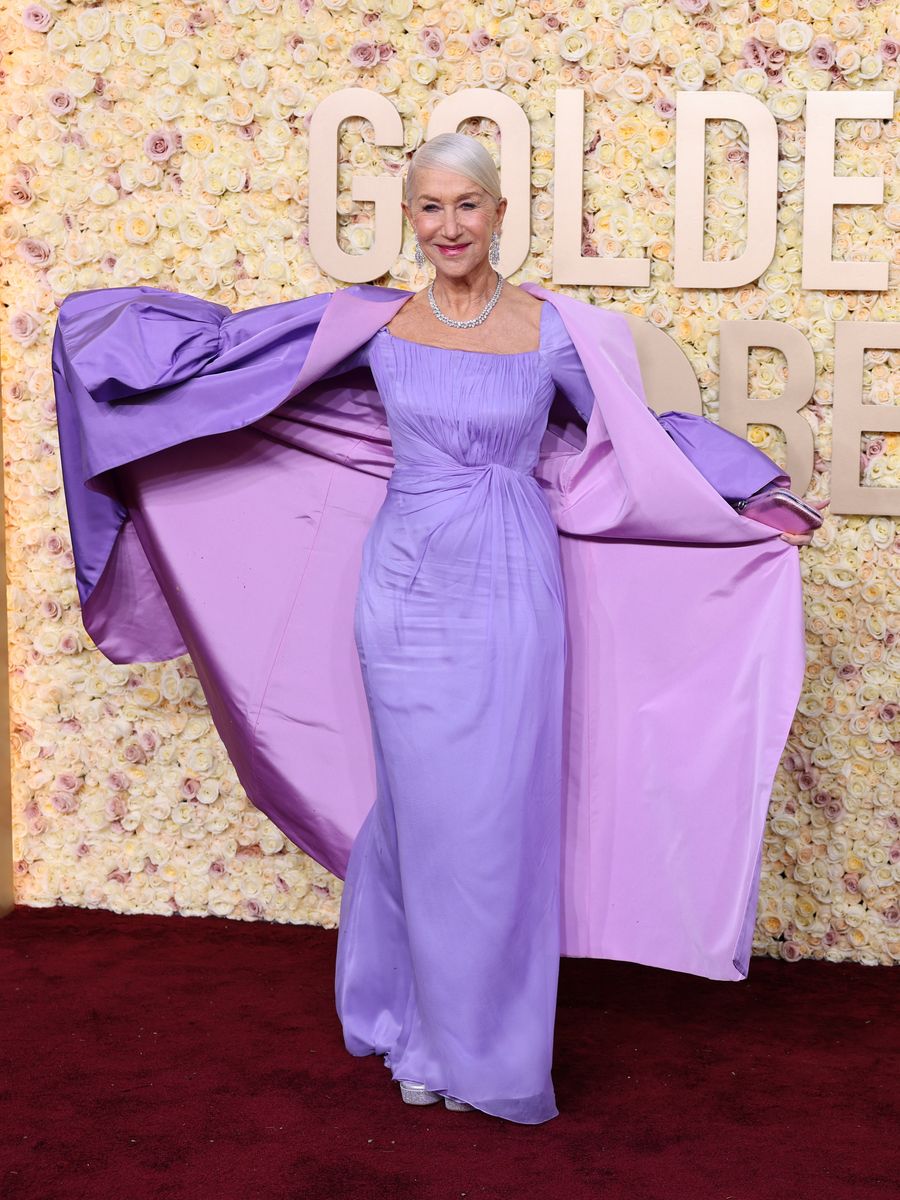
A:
(786, 105)
(572, 44)
(794, 36)
(149, 38)
(690, 76)
(870, 66)
(751, 80)
(643, 49)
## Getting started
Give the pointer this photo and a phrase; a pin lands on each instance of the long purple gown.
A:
(450, 930)
(449, 939)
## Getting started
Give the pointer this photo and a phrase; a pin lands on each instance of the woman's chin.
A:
(457, 266)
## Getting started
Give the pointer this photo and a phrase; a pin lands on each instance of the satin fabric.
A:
(220, 486)
(448, 947)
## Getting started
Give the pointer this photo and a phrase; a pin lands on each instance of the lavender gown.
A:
(449, 940)
(450, 928)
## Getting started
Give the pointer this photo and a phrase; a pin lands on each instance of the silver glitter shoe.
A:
(457, 1105)
(416, 1093)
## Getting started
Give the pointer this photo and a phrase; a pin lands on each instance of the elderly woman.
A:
(449, 946)
(449, 938)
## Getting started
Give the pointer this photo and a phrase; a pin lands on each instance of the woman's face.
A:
(450, 210)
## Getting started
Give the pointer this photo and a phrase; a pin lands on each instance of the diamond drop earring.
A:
(420, 257)
(494, 252)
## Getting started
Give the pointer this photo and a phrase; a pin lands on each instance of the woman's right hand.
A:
(803, 539)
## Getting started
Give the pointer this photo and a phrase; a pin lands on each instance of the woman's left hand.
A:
(803, 539)
(798, 539)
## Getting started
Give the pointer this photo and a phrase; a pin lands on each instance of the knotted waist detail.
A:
(447, 476)
(436, 482)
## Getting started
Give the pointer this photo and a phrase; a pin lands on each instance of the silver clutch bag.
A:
(781, 509)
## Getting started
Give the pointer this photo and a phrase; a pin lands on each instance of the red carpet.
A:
(178, 1057)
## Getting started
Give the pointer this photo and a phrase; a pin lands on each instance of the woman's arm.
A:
(734, 467)
(356, 358)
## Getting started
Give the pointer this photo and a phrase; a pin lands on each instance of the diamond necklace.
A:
(474, 320)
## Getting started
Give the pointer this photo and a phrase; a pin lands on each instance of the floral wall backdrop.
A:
(165, 143)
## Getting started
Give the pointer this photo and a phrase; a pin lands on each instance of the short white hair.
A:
(460, 153)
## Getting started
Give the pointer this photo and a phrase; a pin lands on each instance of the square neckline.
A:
(463, 350)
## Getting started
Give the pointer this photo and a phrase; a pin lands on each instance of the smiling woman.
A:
(449, 938)
(388, 663)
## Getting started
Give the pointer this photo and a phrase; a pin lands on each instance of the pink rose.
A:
(64, 802)
(821, 53)
(201, 18)
(432, 41)
(149, 741)
(37, 18)
(35, 251)
(794, 761)
(17, 190)
(60, 102)
(363, 54)
(161, 144)
(23, 327)
(34, 818)
(115, 808)
(755, 53)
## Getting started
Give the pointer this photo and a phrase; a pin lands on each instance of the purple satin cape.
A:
(219, 488)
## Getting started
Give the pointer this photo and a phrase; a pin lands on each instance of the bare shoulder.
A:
(527, 306)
